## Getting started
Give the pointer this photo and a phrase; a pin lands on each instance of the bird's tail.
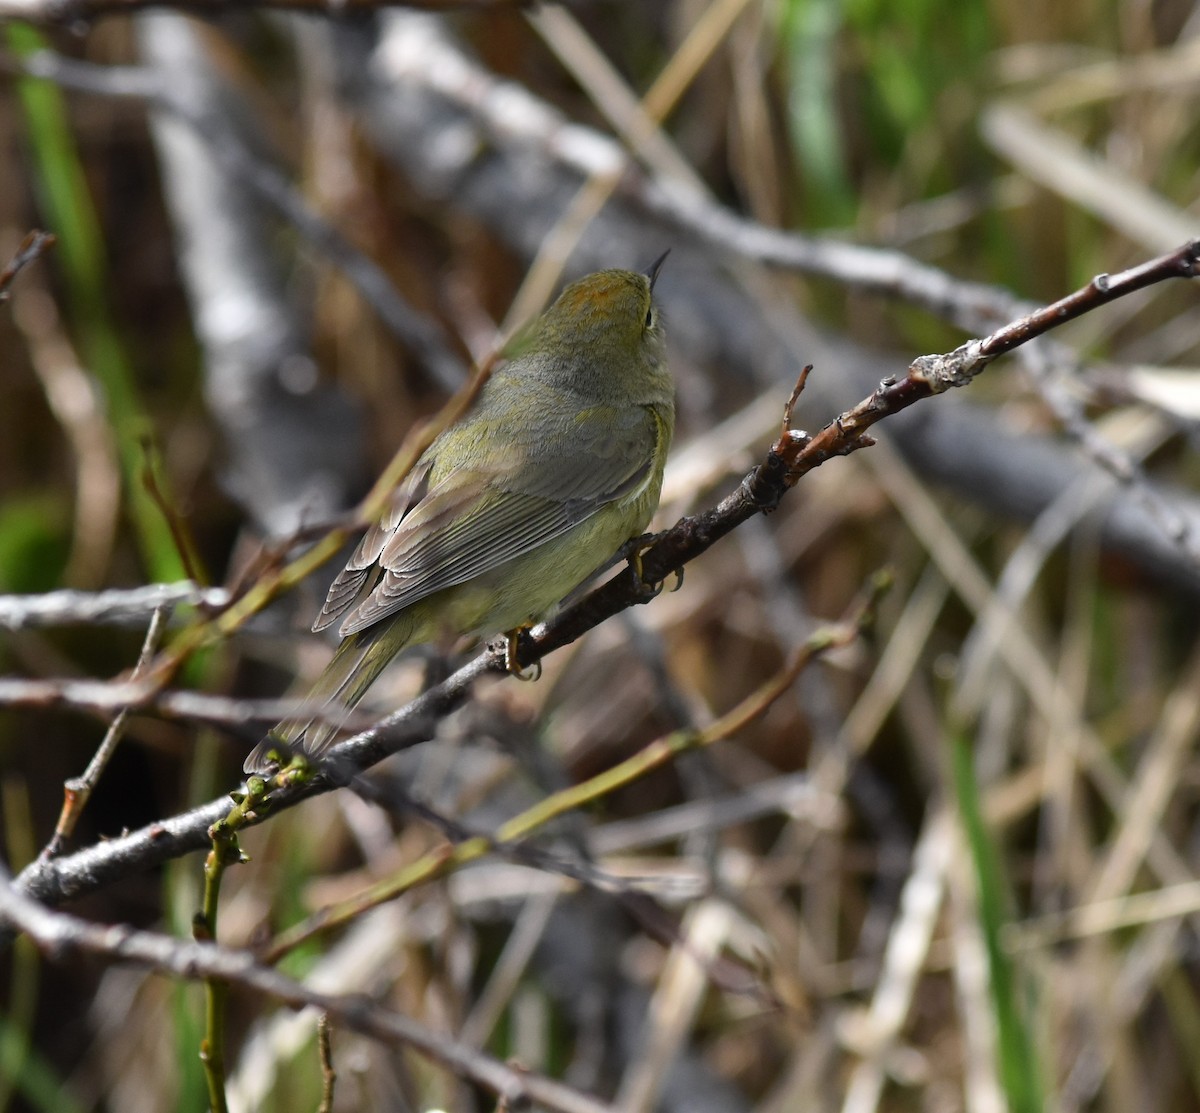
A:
(358, 661)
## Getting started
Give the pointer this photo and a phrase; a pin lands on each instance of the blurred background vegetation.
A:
(954, 869)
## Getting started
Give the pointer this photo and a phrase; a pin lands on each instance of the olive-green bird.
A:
(558, 464)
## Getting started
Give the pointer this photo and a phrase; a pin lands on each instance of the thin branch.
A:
(325, 1053)
(1183, 262)
(78, 790)
(34, 245)
(58, 934)
(223, 853)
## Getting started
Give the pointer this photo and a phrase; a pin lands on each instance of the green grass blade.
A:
(68, 211)
(808, 33)
(1019, 1069)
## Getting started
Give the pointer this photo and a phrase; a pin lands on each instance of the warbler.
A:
(554, 468)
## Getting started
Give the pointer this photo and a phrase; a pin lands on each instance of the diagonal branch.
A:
(792, 456)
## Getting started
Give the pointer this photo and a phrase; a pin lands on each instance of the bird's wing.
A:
(475, 519)
(355, 581)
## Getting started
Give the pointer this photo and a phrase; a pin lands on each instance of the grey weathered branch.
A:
(114, 607)
(58, 934)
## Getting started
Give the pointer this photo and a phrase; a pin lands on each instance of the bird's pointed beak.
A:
(655, 267)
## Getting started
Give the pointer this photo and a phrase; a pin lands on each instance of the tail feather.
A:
(358, 661)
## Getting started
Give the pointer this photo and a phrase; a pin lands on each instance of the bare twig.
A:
(78, 790)
(181, 534)
(325, 1052)
(1183, 262)
(35, 244)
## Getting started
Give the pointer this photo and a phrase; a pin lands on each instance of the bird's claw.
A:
(512, 645)
(646, 590)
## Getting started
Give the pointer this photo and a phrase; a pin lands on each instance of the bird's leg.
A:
(632, 552)
(512, 646)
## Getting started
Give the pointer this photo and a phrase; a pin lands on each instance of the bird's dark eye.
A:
(650, 317)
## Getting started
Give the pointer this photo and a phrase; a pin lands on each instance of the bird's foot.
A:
(512, 661)
(632, 553)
